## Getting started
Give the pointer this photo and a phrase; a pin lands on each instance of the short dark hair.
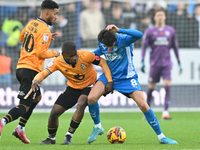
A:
(49, 4)
(107, 37)
(68, 46)
(158, 10)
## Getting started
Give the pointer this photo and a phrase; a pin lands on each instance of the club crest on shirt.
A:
(83, 66)
(167, 33)
(46, 37)
(115, 48)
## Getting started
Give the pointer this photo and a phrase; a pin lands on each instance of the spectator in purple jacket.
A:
(160, 38)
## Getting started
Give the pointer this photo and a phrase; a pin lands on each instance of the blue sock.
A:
(152, 120)
(94, 112)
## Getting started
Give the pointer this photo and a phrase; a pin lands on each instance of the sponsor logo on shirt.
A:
(112, 56)
(79, 76)
(161, 41)
(46, 37)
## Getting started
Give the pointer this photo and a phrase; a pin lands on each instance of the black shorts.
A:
(70, 96)
(25, 77)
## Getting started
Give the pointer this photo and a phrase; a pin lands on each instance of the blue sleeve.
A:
(98, 52)
(131, 36)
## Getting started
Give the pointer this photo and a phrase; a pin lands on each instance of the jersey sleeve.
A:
(98, 51)
(51, 67)
(44, 40)
(96, 60)
(175, 45)
(130, 36)
(145, 43)
(21, 36)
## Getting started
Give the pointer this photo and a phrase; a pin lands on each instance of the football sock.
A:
(68, 133)
(15, 113)
(24, 118)
(52, 132)
(149, 96)
(94, 112)
(4, 121)
(167, 97)
(98, 125)
(52, 138)
(21, 128)
(152, 120)
(160, 136)
(165, 113)
(73, 126)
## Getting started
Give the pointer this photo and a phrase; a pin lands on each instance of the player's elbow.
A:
(140, 34)
(40, 56)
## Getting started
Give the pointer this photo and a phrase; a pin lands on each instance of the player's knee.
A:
(37, 99)
(54, 114)
(81, 105)
(144, 107)
(92, 99)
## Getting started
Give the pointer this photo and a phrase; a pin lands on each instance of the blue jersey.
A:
(120, 57)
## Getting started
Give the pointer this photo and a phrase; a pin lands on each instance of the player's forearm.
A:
(41, 76)
(132, 32)
(143, 51)
(47, 54)
(106, 69)
(177, 54)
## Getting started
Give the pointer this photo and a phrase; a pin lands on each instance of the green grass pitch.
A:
(184, 127)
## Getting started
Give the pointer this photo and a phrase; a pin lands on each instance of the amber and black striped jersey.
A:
(36, 38)
(82, 75)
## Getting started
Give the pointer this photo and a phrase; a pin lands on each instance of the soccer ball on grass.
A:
(116, 135)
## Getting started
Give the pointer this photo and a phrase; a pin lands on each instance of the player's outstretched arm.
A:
(39, 78)
(132, 34)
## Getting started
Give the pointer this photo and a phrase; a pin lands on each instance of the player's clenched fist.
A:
(57, 52)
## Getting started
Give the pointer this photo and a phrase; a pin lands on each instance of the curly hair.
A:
(68, 46)
(49, 4)
(107, 37)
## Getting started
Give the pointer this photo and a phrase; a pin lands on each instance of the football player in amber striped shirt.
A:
(36, 38)
(77, 67)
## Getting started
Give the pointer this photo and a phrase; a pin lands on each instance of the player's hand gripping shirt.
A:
(120, 58)
(36, 38)
(160, 42)
(82, 75)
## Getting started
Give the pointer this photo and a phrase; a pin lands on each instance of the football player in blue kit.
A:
(116, 45)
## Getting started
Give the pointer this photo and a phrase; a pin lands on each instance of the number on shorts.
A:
(133, 82)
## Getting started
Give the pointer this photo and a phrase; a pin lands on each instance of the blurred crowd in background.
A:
(81, 22)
